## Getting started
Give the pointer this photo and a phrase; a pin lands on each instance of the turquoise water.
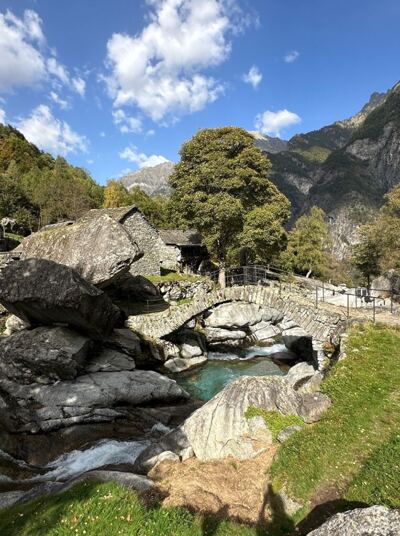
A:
(222, 368)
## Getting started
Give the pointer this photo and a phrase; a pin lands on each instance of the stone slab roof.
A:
(177, 237)
(118, 214)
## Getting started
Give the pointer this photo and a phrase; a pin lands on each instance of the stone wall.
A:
(155, 253)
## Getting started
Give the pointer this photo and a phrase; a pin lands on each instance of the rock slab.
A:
(372, 521)
(43, 292)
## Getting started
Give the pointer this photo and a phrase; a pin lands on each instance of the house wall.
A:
(155, 252)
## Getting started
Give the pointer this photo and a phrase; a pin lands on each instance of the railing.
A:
(271, 275)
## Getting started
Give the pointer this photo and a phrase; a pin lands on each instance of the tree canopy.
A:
(378, 249)
(308, 245)
(36, 189)
(220, 187)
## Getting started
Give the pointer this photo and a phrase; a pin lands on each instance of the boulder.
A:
(110, 360)
(133, 287)
(95, 397)
(264, 331)
(372, 521)
(15, 324)
(220, 429)
(221, 335)
(300, 374)
(313, 406)
(99, 249)
(125, 341)
(191, 349)
(43, 355)
(299, 341)
(234, 315)
(43, 292)
(178, 364)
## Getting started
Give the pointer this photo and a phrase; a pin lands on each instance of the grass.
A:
(354, 450)
(173, 276)
(275, 421)
(14, 236)
(107, 509)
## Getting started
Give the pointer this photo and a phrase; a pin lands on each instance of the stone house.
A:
(164, 249)
(187, 246)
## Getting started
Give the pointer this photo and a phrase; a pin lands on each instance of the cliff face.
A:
(345, 168)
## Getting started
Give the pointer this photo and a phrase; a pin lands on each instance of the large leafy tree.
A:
(378, 249)
(308, 245)
(218, 185)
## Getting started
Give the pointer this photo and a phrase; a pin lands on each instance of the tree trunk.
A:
(222, 277)
(309, 273)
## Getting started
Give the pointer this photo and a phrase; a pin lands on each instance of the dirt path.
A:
(228, 488)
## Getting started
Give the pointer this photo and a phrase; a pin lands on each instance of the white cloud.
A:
(63, 104)
(126, 123)
(253, 77)
(51, 134)
(26, 60)
(273, 122)
(291, 56)
(102, 134)
(2, 116)
(132, 154)
(22, 63)
(161, 69)
(58, 70)
(79, 85)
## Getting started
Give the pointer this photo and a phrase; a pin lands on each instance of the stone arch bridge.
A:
(324, 324)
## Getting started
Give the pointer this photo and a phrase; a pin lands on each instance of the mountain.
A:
(268, 143)
(152, 180)
(344, 168)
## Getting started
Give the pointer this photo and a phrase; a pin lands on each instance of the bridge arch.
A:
(324, 325)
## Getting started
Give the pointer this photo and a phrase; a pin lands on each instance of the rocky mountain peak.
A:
(152, 180)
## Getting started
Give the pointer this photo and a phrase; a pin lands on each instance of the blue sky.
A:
(115, 85)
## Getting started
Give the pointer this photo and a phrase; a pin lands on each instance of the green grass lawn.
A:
(173, 276)
(94, 509)
(355, 449)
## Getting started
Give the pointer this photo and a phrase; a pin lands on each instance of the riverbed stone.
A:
(95, 397)
(179, 364)
(43, 292)
(263, 331)
(234, 315)
(43, 355)
(109, 360)
(220, 429)
(15, 324)
(221, 334)
(300, 374)
(372, 521)
(313, 406)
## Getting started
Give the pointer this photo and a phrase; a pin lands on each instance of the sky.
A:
(117, 85)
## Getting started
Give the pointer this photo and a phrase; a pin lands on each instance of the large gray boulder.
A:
(234, 315)
(220, 429)
(372, 521)
(99, 249)
(43, 355)
(90, 398)
(43, 292)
